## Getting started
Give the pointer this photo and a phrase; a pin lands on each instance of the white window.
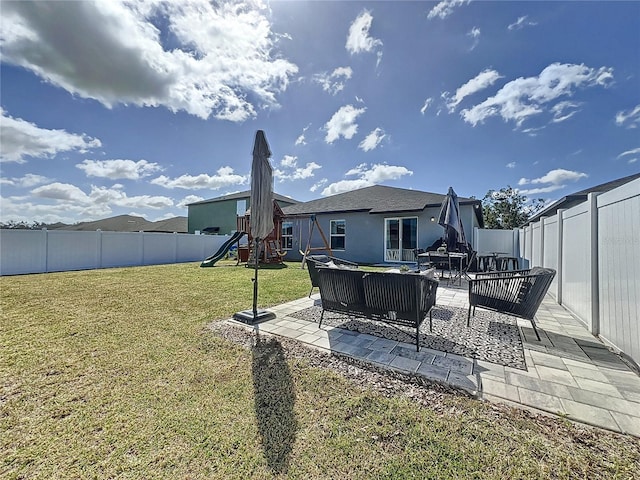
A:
(287, 235)
(338, 234)
(241, 207)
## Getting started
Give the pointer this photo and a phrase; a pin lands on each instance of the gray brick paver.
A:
(590, 414)
(568, 372)
(404, 363)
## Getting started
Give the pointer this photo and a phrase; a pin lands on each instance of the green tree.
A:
(507, 209)
(22, 225)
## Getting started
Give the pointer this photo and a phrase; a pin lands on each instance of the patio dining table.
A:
(447, 256)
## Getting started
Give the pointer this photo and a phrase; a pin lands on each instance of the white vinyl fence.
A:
(40, 251)
(595, 248)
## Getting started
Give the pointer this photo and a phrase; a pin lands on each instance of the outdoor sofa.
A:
(517, 292)
(314, 261)
(397, 299)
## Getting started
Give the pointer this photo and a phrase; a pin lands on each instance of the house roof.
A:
(376, 199)
(239, 196)
(578, 197)
(128, 223)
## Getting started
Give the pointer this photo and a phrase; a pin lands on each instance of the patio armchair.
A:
(315, 261)
(518, 292)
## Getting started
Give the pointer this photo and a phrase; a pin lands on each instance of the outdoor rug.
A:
(493, 337)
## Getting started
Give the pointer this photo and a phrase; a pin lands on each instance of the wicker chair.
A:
(518, 293)
(315, 261)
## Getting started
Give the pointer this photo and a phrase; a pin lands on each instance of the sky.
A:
(141, 108)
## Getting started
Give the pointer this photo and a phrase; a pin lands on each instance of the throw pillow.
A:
(430, 273)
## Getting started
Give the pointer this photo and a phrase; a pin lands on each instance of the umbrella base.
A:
(246, 316)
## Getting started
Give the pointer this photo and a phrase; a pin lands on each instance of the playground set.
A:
(270, 248)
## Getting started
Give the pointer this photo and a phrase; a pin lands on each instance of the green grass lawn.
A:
(113, 374)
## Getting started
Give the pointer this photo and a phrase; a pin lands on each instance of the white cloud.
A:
(525, 97)
(223, 62)
(289, 161)
(427, 104)
(358, 39)
(474, 33)
(334, 82)
(483, 80)
(290, 171)
(511, 165)
(522, 22)
(28, 181)
(118, 169)
(556, 179)
(632, 117)
(632, 153)
(64, 192)
(189, 199)
(61, 191)
(535, 191)
(564, 111)
(372, 140)
(23, 209)
(321, 183)
(445, 8)
(343, 123)
(301, 140)
(20, 139)
(225, 177)
(368, 176)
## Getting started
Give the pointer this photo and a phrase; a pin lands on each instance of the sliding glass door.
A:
(400, 239)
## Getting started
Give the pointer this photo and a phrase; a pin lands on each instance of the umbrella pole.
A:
(256, 255)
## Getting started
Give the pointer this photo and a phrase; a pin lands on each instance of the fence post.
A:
(175, 247)
(45, 246)
(560, 254)
(542, 222)
(98, 248)
(141, 247)
(592, 199)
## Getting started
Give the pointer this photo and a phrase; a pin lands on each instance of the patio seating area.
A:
(567, 372)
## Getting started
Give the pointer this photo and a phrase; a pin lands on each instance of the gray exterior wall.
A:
(365, 236)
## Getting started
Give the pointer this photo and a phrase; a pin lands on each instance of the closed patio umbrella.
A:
(450, 219)
(261, 219)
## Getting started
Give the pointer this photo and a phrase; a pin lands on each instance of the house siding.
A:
(215, 214)
(364, 240)
(221, 213)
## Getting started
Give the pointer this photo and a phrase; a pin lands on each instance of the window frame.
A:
(338, 235)
(284, 237)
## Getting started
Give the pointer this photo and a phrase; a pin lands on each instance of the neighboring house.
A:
(580, 197)
(127, 223)
(219, 215)
(372, 225)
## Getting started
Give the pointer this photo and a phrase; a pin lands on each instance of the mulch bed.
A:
(492, 336)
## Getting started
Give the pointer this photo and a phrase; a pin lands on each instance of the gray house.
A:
(371, 225)
(219, 215)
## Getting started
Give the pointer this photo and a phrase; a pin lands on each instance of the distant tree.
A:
(22, 225)
(507, 209)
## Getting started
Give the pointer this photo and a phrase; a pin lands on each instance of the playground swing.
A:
(313, 224)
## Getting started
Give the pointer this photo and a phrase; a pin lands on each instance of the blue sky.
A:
(112, 108)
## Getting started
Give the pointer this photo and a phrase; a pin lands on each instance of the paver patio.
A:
(569, 371)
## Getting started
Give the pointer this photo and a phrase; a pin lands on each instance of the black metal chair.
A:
(518, 293)
(315, 261)
(440, 261)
